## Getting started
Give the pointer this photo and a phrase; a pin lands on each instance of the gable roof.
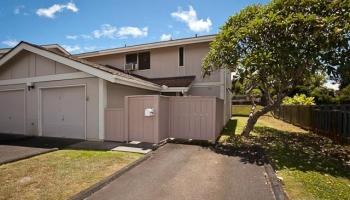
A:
(97, 70)
(46, 46)
(140, 47)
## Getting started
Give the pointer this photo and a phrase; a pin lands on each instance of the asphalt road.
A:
(177, 171)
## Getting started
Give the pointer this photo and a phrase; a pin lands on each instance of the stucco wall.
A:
(116, 94)
(27, 64)
(164, 62)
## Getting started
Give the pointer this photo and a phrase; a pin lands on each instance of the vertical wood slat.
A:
(329, 120)
(114, 119)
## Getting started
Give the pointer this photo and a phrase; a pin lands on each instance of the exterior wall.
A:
(116, 94)
(205, 91)
(164, 62)
(27, 64)
(32, 104)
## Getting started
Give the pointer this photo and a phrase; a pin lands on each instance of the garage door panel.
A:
(12, 107)
(63, 112)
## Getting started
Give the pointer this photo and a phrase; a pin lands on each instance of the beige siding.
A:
(164, 62)
(205, 91)
(27, 64)
(117, 92)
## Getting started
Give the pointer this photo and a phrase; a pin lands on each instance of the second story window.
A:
(142, 60)
(131, 58)
(181, 57)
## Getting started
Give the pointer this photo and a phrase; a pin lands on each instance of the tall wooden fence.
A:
(329, 120)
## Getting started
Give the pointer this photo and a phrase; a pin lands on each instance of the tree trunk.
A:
(253, 117)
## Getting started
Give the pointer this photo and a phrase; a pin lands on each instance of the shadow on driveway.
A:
(16, 147)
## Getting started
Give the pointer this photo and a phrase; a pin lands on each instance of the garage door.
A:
(12, 108)
(63, 112)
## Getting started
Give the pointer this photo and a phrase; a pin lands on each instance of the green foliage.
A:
(323, 95)
(299, 99)
(283, 44)
(344, 95)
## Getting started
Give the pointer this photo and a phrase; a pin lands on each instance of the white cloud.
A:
(51, 11)
(71, 37)
(133, 32)
(106, 30)
(85, 36)
(90, 48)
(72, 49)
(165, 37)
(112, 32)
(72, 7)
(192, 21)
(10, 42)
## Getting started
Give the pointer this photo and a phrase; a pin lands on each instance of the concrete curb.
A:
(276, 185)
(28, 156)
(94, 188)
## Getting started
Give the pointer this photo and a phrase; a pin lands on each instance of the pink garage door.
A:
(12, 111)
(63, 112)
(140, 127)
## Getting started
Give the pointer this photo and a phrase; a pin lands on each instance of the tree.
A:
(281, 45)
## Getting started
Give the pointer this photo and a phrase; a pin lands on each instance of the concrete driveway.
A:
(177, 171)
(17, 147)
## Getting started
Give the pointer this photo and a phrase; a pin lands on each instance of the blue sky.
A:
(82, 25)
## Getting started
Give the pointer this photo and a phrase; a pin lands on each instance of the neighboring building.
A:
(46, 91)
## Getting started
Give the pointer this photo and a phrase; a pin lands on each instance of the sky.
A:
(82, 26)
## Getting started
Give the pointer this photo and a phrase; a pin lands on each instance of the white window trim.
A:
(40, 122)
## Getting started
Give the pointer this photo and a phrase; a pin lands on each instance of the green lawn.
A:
(243, 110)
(60, 174)
(312, 167)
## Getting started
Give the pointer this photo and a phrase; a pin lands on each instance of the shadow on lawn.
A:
(293, 150)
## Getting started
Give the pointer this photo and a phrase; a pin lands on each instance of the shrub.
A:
(299, 99)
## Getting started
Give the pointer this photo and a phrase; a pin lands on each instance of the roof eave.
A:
(148, 46)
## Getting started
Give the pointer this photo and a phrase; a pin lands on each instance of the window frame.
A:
(183, 56)
(138, 60)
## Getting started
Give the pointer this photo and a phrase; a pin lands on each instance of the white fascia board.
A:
(49, 46)
(148, 46)
(56, 77)
(175, 89)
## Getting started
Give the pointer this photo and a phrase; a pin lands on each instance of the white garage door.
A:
(12, 108)
(63, 112)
